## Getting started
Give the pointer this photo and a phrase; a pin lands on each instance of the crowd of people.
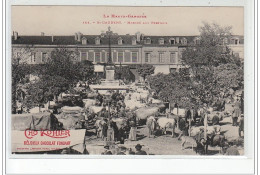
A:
(122, 150)
(114, 107)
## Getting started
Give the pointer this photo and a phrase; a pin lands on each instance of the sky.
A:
(66, 20)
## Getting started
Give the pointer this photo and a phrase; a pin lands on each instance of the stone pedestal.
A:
(110, 75)
(109, 83)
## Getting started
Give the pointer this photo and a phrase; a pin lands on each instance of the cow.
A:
(213, 137)
(165, 123)
(151, 125)
(89, 102)
(143, 113)
(211, 130)
(216, 140)
(92, 95)
(95, 109)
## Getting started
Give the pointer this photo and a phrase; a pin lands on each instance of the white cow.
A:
(89, 102)
(95, 109)
(133, 104)
(143, 113)
(211, 130)
(214, 130)
(165, 123)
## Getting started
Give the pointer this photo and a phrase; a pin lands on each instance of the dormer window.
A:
(133, 41)
(184, 41)
(84, 41)
(172, 41)
(120, 41)
(197, 40)
(161, 41)
(97, 41)
(225, 41)
(147, 41)
(235, 41)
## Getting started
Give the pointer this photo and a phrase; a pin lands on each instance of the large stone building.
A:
(163, 52)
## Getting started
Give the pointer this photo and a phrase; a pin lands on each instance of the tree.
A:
(145, 70)
(63, 70)
(62, 62)
(20, 69)
(229, 76)
(45, 89)
(173, 88)
(211, 49)
(124, 73)
(213, 67)
(86, 68)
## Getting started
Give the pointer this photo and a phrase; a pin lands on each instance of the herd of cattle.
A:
(151, 114)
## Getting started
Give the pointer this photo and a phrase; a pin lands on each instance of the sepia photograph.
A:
(111, 80)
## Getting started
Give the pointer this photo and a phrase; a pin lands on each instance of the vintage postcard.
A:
(105, 80)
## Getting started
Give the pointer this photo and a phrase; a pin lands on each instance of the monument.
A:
(109, 83)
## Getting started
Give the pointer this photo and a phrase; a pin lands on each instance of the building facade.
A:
(163, 52)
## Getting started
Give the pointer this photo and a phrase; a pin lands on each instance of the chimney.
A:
(76, 36)
(42, 33)
(138, 36)
(79, 36)
(15, 35)
(177, 40)
(142, 36)
(52, 38)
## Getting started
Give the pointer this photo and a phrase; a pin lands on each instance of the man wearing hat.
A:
(122, 151)
(241, 125)
(232, 150)
(138, 148)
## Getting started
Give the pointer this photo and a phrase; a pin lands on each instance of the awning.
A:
(98, 68)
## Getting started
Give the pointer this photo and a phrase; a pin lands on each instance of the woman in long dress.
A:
(110, 132)
(132, 134)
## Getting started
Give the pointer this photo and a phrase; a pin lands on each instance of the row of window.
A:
(161, 41)
(115, 56)
(44, 57)
(172, 41)
(173, 57)
(125, 57)
(97, 41)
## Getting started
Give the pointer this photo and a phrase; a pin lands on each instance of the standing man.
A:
(236, 113)
(110, 131)
(241, 125)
